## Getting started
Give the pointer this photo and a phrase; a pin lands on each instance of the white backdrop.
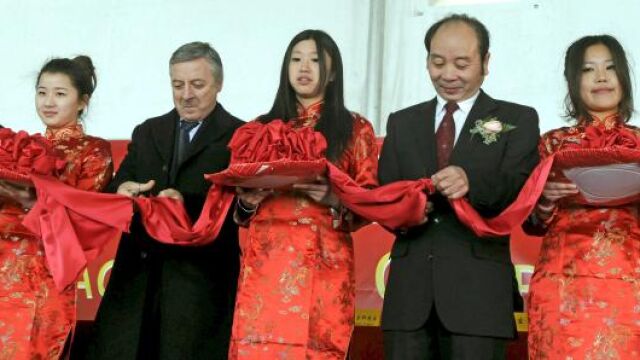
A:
(381, 43)
(528, 42)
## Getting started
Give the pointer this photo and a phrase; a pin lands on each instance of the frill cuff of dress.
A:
(242, 216)
(538, 222)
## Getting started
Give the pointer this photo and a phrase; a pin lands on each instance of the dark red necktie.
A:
(446, 134)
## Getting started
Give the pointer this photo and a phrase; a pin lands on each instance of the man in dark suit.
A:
(450, 294)
(162, 301)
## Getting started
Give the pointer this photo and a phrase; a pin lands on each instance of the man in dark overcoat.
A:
(164, 301)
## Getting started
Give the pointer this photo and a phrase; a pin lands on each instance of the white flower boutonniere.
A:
(490, 129)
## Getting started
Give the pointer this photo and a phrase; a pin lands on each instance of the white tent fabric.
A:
(381, 43)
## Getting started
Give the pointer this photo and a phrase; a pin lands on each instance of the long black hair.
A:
(336, 123)
(573, 63)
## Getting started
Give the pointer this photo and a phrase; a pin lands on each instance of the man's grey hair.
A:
(196, 50)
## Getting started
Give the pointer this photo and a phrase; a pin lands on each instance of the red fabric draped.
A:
(167, 221)
(276, 154)
(75, 224)
(600, 145)
(397, 205)
(276, 141)
(22, 154)
(515, 214)
(596, 137)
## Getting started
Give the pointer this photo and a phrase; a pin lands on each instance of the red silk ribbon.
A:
(75, 225)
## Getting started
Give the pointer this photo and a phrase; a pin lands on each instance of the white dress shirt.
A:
(459, 116)
(194, 130)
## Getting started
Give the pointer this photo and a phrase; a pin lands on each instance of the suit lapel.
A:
(211, 131)
(424, 137)
(164, 134)
(483, 107)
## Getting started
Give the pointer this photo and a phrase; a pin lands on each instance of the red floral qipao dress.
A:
(584, 296)
(36, 318)
(296, 295)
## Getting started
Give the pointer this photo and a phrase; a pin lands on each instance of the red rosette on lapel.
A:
(22, 154)
(273, 155)
(605, 166)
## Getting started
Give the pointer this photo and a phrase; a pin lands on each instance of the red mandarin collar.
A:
(606, 123)
(309, 116)
(65, 133)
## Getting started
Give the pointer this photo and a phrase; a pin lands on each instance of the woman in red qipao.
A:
(36, 319)
(296, 295)
(584, 296)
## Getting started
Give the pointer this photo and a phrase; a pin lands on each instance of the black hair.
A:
(481, 31)
(336, 122)
(80, 71)
(573, 64)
